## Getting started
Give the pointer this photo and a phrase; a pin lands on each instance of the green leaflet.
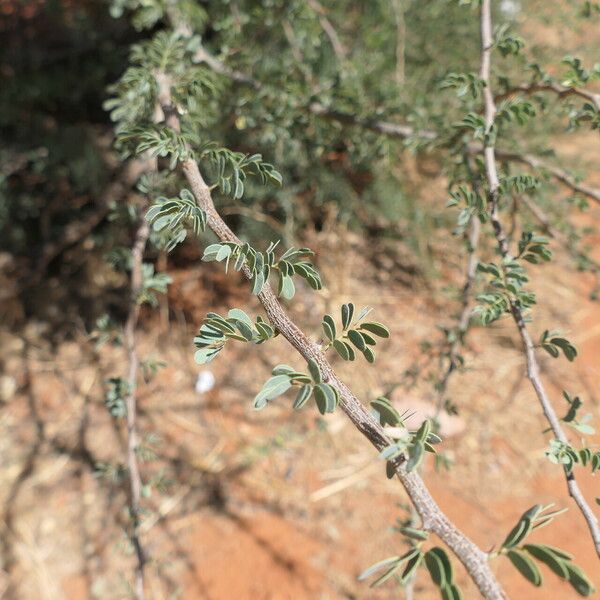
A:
(303, 396)
(275, 386)
(353, 334)
(357, 339)
(525, 566)
(326, 397)
(347, 314)
(548, 557)
(518, 533)
(329, 327)
(388, 415)
(436, 569)
(579, 580)
(378, 329)
(342, 349)
(315, 372)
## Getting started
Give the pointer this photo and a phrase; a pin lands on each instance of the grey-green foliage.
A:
(405, 442)
(579, 423)
(526, 557)
(117, 391)
(326, 396)
(152, 282)
(355, 333)
(553, 343)
(403, 567)
(170, 216)
(216, 330)
(260, 265)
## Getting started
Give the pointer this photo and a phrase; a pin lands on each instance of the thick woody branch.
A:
(533, 369)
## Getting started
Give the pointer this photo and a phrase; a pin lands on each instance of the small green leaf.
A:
(388, 415)
(303, 396)
(445, 561)
(275, 386)
(326, 397)
(357, 339)
(287, 289)
(239, 315)
(518, 533)
(415, 453)
(525, 566)
(435, 568)
(412, 565)
(548, 557)
(347, 314)
(378, 329)
(341, 349)
(579, 580)
(369, 355)
(314, 371)
(330, 324)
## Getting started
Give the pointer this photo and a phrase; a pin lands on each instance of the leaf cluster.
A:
(170, 216)
(260, 265)
(326, 396)
(526, 557)
(354, 334)
(216, 330)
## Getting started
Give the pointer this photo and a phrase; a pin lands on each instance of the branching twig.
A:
(533, 369)
(433, 519)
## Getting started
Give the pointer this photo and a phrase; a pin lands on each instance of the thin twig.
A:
(466, 309)
(472, 557)
(556, 88)
(135, 481)
(334, 39)
(533, 369)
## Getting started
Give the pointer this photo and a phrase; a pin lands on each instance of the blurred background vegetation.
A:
(378, 60)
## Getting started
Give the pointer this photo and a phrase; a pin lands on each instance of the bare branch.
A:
(533, 369)
(329, 29)
(560, 90)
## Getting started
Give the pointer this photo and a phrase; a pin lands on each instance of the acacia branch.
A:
(433, 519)
(533, 369)
(163, 112)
